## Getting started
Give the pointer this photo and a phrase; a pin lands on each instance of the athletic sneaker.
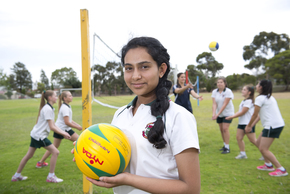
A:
(53, 179)
(226, 151)
(41, 164)
(20, 178)
(265, 167)
(222, 149)
(278, 173)
(262, 158)
(241, 156)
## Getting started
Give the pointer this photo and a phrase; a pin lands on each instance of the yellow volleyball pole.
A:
(86, 83)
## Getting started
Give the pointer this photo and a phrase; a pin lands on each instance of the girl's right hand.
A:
(214, 117)
(72, 151)
(66, 135)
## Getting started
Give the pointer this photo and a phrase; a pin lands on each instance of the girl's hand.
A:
(200, 98)
(214, 117)
(248, 129)
(79, 128)
(110, 182)
(229, 118)
(66, 135)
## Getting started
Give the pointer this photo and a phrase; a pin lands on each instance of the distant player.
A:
(182, 92)
(39, 134)
(266, 109)
(222, 107)
(64, 122)
(246, 110)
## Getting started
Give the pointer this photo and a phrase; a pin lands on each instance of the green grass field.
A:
(219, 173)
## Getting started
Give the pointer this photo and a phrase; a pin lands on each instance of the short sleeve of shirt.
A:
(213, 93)
(259, 100)
(229, 94)
(173, 88)
(183, 133)
(248, 103)
(65, 111)
(48, 113)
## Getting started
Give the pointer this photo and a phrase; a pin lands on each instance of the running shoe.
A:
(278, 173)
(265, 167)
(241, 156)
(41, 164)
(53, 179)
(262, 158)
(222, 149)
(20, 178)
(226, 151)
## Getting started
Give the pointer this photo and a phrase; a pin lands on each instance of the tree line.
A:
(268, 55)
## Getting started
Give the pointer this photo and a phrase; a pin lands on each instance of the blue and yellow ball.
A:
(102, 150)
(213, 46)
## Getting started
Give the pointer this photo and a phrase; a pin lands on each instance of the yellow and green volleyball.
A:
(213, 46)
(102, 150)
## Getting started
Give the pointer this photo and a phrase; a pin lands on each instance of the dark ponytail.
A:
(266, 87)
(161, 104)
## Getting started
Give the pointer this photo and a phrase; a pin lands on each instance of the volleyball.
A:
(213, 46)
(102, 150)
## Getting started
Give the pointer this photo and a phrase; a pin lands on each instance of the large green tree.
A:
(264, 45)
(44, 79)
(208, 63)
(23, 77)
(279, 67)
(193, 72)
(59, 76)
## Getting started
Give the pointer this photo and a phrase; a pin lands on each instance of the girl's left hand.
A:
(228, 118)
(248, 129)
(110, 182)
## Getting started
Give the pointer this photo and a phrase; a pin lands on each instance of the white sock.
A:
(227, 146)
(268, 164)
(282, 168)
(224, 143)
(243, 153)
(17, 174)
(50, 174)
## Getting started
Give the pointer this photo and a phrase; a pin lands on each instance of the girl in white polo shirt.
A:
(162, 134)
(222, 107)
(246, 110)
(39, 134)
(64, 122)
(266, 109)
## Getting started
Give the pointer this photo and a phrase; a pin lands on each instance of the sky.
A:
(46, 34)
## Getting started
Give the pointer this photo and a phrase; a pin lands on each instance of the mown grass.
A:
(219, 173)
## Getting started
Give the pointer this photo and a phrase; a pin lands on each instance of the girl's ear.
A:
(162, 69)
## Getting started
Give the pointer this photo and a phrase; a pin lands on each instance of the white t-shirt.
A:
(245, 119)
(147, 161)
(41, 130)
(65, 110)
(269, 112)
(220, 98)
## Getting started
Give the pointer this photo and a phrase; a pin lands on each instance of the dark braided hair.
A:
(266, 87)
(159, 54)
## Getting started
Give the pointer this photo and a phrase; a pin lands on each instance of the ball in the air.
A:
(102, 150)
(213, 46)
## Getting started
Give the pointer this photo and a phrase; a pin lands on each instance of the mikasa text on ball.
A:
(213, 46)
(102, 150)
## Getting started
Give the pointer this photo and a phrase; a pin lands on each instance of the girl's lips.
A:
(137, 85)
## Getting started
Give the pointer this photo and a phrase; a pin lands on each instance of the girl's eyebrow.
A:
(140, 63)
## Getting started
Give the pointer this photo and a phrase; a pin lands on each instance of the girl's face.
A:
(141, 72)
(221, 84)
(259, 88)
(181, 79)
(245, 92)
(68, 98)
(53, 98)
